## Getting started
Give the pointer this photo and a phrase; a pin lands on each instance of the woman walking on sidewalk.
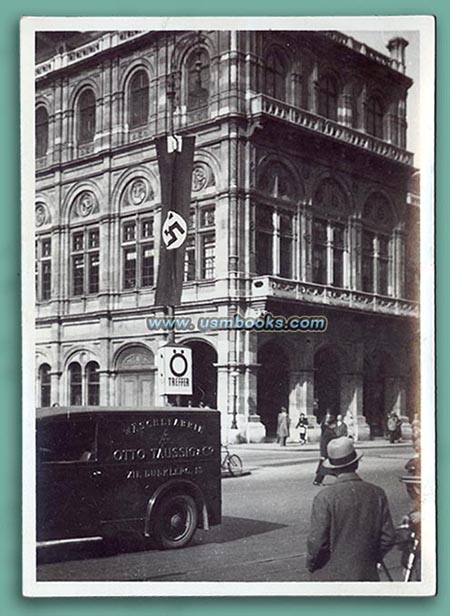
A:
(302, 426)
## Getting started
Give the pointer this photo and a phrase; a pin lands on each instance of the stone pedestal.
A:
(256, 430)
(233, 436)
(314, 430)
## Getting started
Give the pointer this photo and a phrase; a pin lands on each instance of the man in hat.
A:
(351, 526)
(283, 422)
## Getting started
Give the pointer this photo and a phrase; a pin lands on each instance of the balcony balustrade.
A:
(261, 104)
(321, 295)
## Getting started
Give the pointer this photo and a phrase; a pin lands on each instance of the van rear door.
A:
(66, 478)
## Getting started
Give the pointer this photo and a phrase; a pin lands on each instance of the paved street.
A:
(264, 528)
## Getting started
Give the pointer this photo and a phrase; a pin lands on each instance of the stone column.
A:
(345, 110)
(255, 429)
(55, 388)
(301, 400)
(296, 88)
(67, 122)
(352, 406)
(223, 399)
(329, 272)
(363, 121)
(104, 397)
(306, 244)
(354, 279)
(314, 88)
(398, 282)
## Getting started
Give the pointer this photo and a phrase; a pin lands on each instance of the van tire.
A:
(176, 521)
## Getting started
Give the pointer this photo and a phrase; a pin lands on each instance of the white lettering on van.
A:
(129, 455)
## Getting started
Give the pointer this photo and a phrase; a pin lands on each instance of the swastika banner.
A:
(175, 161)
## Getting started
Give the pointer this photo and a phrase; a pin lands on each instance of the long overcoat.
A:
(351, 531)
(283, 424)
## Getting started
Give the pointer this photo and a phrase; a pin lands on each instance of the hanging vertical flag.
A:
(175, 161)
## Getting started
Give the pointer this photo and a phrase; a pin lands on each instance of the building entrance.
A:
(136, 377)
(374, 396)
(273, 386)
(204, 374)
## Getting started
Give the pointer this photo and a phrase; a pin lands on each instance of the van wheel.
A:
(176, 521)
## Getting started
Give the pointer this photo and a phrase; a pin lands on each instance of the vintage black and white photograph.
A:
(227, 239)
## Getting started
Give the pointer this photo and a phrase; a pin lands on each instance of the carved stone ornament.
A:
(329, 196)
(305, 171)
(136, 359)
(86, 204)
(377, 210)
(202, 177)
(40, 215)
(277, 181)
(138, 191)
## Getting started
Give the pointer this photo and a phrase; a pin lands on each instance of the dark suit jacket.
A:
(327, 434)
(351, 531)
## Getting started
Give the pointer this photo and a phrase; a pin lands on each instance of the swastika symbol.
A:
(174, 230)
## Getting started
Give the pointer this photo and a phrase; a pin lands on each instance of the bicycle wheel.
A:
(235, 465)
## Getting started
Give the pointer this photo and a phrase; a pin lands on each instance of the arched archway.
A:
(135, 377)
(204, 373)
(273, 385)
(377, 391)
(327, 382)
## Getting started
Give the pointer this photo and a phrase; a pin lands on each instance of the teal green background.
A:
(11, 601)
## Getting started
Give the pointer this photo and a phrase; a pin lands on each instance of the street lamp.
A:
(234, 375)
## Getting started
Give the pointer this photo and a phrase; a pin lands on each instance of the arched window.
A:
(138, 101)
(274, 220)
(41, 131)
(198, 77)
(264, 240)
(375, 115)
(93, 383)
(86, 116)
(75, 385)
(45, 385)
(377, 249)
(329, 234)
(275, 76)
(328, 97)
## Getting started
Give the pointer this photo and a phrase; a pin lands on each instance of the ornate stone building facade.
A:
(299, 206)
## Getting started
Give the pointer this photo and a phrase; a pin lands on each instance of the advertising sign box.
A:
(105, 470)
(175, 370)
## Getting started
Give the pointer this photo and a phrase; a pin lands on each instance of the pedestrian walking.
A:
(327, 433)
(341, 427)
(302, 426)
(351, 527)
(394, 428)
(283, 426)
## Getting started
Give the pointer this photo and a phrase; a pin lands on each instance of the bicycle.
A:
(231, 462)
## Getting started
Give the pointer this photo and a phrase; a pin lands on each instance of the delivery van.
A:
(101, 471)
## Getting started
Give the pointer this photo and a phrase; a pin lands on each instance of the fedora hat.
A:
(341, 453)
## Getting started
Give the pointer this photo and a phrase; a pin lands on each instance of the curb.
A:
(229, 475)
(290, 448)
